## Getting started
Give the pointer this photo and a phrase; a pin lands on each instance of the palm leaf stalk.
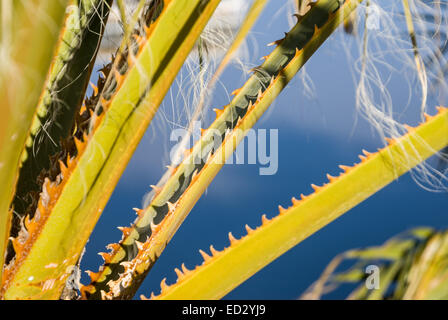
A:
(23, 73)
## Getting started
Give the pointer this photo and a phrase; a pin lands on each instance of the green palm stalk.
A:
(23, 73)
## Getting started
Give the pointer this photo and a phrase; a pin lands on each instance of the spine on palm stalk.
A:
(130, 260)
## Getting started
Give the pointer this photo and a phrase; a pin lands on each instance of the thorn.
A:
(195, 173)
(156, 189)
(427, 117)
(264, 219)
(345, 168)
(69, 161)
(63, 168)
(295, 201)
(86, 289)
(163, 285)
(298, 16)
(118, 77)
(41, 208)
(389, 140)
(113, 246)
(281, 210)
(440, 109)
(104, 295)
(138, 211)
(28, 223)
(303, 197)
(138, 39)
(153, 226)
(106, 257)
(260, 94)
(275, 43)
(171, 206)
(362, 158)
(232, 239)
(235, 92)
(140, 245)
(79, 145)
(331, 178)
(16, 245)
(94, 276)
(130, 59)
(213, 251)
(179, 274)
(264, 57)
(126, 231)
(408, 128)
(205, 256)
(127, 265)
(254, 70)
(184, 269)
(366, 153)
(227, 132)
(104, 102)
(146, 29)
(218, 112)
(315, 188)
(95, 88)
(249, 229)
